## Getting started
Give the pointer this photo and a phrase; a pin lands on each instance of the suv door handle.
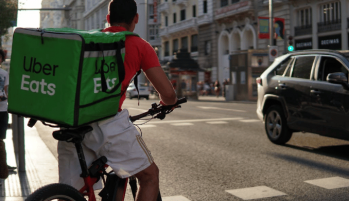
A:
(282, 86)
(315, 91)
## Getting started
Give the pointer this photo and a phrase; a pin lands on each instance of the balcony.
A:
(180, 26)
(164, 8)
(303, 30)
(233, 9)
(204, 19)
(329, 26)
(182, 3)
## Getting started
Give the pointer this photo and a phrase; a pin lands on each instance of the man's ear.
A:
(108, 18)
(136, 18)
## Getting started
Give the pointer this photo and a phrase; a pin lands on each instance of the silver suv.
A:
(305, 91)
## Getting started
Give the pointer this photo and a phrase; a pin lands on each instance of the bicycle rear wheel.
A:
(55, 192)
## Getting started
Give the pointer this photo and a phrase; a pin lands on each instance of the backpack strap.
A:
(121, 68)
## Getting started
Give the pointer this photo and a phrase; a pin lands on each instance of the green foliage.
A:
(8, 15)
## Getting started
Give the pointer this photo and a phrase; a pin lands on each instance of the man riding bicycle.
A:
(116, 137)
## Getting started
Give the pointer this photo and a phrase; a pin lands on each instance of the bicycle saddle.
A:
(72, 135)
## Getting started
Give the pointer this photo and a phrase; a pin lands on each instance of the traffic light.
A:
(290, 44)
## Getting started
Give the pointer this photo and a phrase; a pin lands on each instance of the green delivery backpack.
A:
(65, 76)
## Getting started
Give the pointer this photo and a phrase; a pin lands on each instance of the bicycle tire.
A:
(55, 192)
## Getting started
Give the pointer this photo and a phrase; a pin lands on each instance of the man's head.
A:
(123, 13)
(2, 56)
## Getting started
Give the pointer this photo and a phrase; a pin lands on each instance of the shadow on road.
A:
(337, 151)
(340, 152)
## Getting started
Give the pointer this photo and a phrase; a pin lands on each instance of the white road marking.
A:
(250, 120)
(196, 120)
(175, 198)
(217, 108)
(182, 124)
(146, 126)
(257, 192)
(141, 110)
(330, 183)
(217, 122)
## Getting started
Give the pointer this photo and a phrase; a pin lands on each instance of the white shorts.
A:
(115, 138)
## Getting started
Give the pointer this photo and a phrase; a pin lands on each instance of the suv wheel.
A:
(276, 125)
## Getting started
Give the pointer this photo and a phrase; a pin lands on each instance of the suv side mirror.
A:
(338, 78)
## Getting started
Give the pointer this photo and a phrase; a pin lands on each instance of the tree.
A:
(8, 15)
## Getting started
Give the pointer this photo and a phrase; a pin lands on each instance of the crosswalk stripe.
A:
(249, 120)
(196, 120)
(330, 183)
(175, 198)
(147, 126)
(257, 192)
(182, 124)
(217, 122)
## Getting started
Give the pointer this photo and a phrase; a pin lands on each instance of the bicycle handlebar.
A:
(160, 110)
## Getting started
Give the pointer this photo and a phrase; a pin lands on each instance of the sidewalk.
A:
(41, 167)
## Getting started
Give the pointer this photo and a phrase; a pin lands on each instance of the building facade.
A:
(74, 17)
(52, 19)
(207, 47)
(320, 24)
(179, 27)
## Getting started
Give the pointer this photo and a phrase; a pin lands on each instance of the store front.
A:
(333, 42)
(304, 44)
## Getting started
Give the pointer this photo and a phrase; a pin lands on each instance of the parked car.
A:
(305, 91)
(143, 89)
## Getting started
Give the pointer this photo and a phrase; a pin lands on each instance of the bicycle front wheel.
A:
(55, 192)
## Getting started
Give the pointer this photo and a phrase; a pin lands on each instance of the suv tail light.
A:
(259, 80)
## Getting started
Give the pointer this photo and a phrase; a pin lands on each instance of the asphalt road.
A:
(216, 151)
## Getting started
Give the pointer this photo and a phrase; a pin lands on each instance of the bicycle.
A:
(114, 187)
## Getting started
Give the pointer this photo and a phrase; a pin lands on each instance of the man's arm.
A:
(162, 85)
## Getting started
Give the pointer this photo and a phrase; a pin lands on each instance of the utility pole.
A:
(271, 23)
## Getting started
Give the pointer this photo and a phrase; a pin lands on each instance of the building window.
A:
(166, 21)
(205, 6)
(167, 49)
(151, 11)
(194, 43)
(194, 10)
(330, 12)
(182, 14)
(174, 18)
(153, 32)
(304, 17)
(224, 3)
(235, 1)
(175, 45)
(184, 41)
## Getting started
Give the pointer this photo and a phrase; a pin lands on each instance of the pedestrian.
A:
(225, 83)
(183, 87)
(4, 81)
(117, 138)
(217, 88)
(207, 88)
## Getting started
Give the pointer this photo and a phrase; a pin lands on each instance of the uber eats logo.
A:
(106, 69)
(38, 86)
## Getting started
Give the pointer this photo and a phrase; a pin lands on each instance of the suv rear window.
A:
(302, 67)
(280, 69)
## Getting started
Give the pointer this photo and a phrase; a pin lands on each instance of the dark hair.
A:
(2, 53)
(122, 11)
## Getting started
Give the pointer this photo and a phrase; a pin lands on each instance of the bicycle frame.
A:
(87, 189)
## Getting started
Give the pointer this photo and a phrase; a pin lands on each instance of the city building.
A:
(320, 24)
(207, 46)
(50, 18)
(179, 27)
(74, 17)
